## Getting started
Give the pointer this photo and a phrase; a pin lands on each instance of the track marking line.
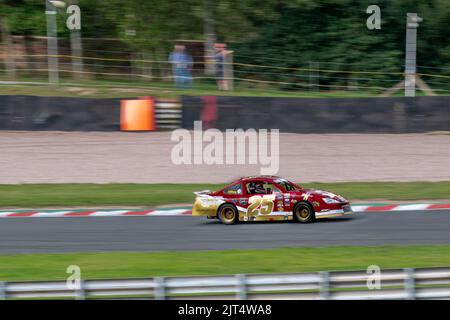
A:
(359, 208)
(187, 212)
(439, 206)
(5, 214)
(79, 214)
(408, 207)
(49, 214)
(138, 213)
(168, 212)
(380, 208)
(20, 214)
(108, 213)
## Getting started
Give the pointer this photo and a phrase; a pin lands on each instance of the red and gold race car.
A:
(268, 198)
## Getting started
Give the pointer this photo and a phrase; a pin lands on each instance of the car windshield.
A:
(287, 185)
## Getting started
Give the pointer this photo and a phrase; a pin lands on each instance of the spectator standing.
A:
(181, 67)
(219, 57)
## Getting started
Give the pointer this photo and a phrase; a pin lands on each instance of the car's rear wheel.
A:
(228, 214)
(304, 213)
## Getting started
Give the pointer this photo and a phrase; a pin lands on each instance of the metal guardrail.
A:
(430, 283)
(168, 114)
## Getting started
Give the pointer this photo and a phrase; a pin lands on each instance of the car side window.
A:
(261, 187)
(271, 188)
(255, 187)
(234, 189)
(275, 190)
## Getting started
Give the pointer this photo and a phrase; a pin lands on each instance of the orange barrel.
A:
(137, 115)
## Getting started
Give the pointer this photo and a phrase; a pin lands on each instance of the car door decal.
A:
(260, 205)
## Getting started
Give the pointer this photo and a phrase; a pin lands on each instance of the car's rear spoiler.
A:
(202, 193)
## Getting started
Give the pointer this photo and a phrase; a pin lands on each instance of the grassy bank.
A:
(123, 88)
(66, 195)
(132, 264)
(132, 88)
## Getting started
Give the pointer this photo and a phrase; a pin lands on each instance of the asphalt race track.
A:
(28, 235)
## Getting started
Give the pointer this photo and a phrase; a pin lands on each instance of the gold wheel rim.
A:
(228, 215)
(303, 213)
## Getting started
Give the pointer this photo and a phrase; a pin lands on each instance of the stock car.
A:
(268, 198)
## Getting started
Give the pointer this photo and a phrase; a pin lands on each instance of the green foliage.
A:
(154, 21)
(334, 33)
(280, 33)
(23, 267)
(25, 17)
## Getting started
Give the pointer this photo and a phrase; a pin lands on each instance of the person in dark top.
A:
(219, 57)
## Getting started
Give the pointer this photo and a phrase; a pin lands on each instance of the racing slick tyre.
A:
(304, 213)
(228, 214)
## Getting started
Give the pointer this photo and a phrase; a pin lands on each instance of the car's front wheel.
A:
(303, 213)
(228, 214)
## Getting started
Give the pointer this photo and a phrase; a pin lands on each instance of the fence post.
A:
(412, 23)
(9, 48)
(80, 293)
(160, 288)
(2, 290)
(410, 283)
(324, 289)
(314, 76)
(229, 70)
(52, 43)
(241, 292)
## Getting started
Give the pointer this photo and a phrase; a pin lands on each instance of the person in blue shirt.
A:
(181, 67)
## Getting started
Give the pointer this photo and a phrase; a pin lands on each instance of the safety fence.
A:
(315, 76)
(409, 283)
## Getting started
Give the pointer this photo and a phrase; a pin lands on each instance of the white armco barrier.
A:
(429, 283)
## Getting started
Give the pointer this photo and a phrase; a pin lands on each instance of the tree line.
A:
(322, 34)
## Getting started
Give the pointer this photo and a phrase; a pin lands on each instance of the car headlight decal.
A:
(330, 201)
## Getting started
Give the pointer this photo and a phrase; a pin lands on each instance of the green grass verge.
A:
(123, 88)
(132, 264)
(129, 87)
(66, 195)
(122, 91)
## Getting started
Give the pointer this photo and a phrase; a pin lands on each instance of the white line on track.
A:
(408, 207)
(4, 214)
(108, 213)
(359, 208)
(49, 214)
(167, 213)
